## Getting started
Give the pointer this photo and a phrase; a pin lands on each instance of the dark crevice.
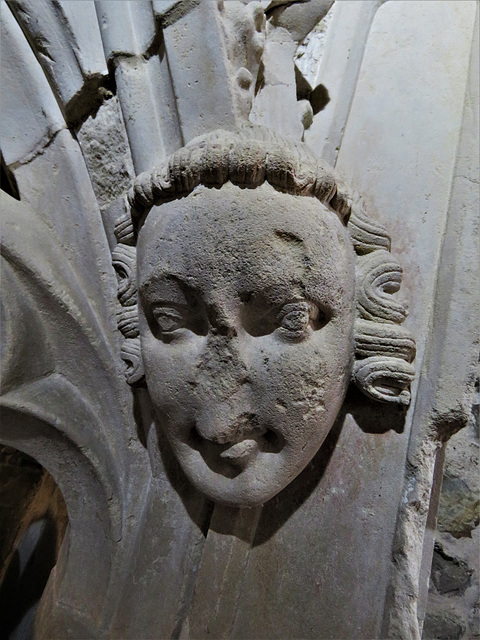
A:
(8, 183)
(177, 11)
(304, 88)
(157, 46)
(260, 78)
(36, 152)
(449, 575)
(88, 100)
(318, 96)
(279, 8)
(34, 520)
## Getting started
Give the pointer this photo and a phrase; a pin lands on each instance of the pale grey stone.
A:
(149, 109)
(83, 23)
(142, 79)
(152, 189)
(449, 362)
(61, 166)
(214, 74)
(298, 20)
(275, 106)
(106, 151)
(127, 28)
(342, 55)
(226, 480)
(30, 114)
(248, 442)
(423, 98)
(67, 42)
(310, 51)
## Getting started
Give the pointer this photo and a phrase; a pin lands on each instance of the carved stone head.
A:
(250, 298)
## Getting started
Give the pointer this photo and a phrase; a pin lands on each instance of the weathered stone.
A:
(340, 63)
(275, 105)
(456, 536)
(459, 511)
(149, 109)
(107, 155)
(214, 74)
(380, 104)
(127, 28)
(66, 38)
(443, 626)
(266, 462)
(30, 114)
(449, 575)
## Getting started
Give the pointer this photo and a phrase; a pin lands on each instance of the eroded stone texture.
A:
(244, 335)
(453, 608)
(309, 52)
(107, 153)
(252, 286)
(66, 39)
(233, 294)
(275, 104)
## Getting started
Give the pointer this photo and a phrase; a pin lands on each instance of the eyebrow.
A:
(168, 288)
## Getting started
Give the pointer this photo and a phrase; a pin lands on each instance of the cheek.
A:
(170, 374)
(301, 386)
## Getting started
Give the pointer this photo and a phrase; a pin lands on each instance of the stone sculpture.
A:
(246, 308)
(269, 470)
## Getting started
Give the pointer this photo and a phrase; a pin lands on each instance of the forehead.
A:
(248, 239)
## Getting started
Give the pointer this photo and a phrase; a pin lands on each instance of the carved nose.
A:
(219, 423)
(223, 389)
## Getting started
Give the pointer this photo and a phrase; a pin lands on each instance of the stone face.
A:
(231, 323)
(204, 311)
(205, 340)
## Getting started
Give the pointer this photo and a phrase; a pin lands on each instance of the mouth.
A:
(241, 453)
(231, 458)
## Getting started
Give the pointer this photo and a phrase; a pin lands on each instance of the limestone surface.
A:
(238, 318)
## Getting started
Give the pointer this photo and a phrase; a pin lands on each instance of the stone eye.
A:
(172, 322)
(168, 319)
(297, 317)
(294, 316)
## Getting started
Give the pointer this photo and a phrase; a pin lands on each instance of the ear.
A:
(384, 379)
(132, 355)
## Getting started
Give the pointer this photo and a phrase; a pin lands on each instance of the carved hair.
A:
(383, 349)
